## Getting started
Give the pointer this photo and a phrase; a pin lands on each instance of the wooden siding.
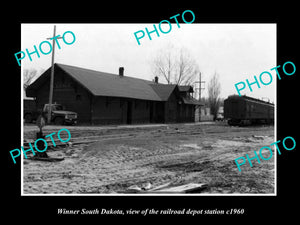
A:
(109, 110)
(68, 93)
(140, 111)
(171, 109)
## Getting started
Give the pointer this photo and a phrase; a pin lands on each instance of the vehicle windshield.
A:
(57, 107)
(54, 107)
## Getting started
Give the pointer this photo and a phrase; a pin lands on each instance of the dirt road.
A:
(120, 157)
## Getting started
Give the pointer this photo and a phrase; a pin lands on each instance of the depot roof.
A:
(108, 84)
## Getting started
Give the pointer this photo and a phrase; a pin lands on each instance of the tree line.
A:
(177, 66)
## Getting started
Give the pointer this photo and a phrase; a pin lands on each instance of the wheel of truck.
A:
(28, 118)
(59, 121)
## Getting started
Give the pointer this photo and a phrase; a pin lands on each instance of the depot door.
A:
(129, 112)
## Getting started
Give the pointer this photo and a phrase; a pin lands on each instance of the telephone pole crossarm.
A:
(200, 88)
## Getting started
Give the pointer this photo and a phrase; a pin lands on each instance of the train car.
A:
(244, 110)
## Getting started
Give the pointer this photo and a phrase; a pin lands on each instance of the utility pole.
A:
(200, 89)
(52, 77)
(200, 82)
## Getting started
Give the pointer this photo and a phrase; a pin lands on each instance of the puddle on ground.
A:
(195, 146)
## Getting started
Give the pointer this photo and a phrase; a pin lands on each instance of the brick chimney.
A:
(156, 79)
(121, 71)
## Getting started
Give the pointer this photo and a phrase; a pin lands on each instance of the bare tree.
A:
(175, 66)
(163, 64)
(214, 90)
(28, 75)
(186, 68)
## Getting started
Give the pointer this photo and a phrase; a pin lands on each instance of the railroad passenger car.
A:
(244, 110)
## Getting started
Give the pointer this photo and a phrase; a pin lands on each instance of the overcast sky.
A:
(235, 51)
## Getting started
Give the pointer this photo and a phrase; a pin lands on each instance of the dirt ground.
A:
(111, 159)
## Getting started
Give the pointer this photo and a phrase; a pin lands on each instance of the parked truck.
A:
(59, 116)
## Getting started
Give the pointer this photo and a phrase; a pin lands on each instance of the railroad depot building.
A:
(104, 98)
